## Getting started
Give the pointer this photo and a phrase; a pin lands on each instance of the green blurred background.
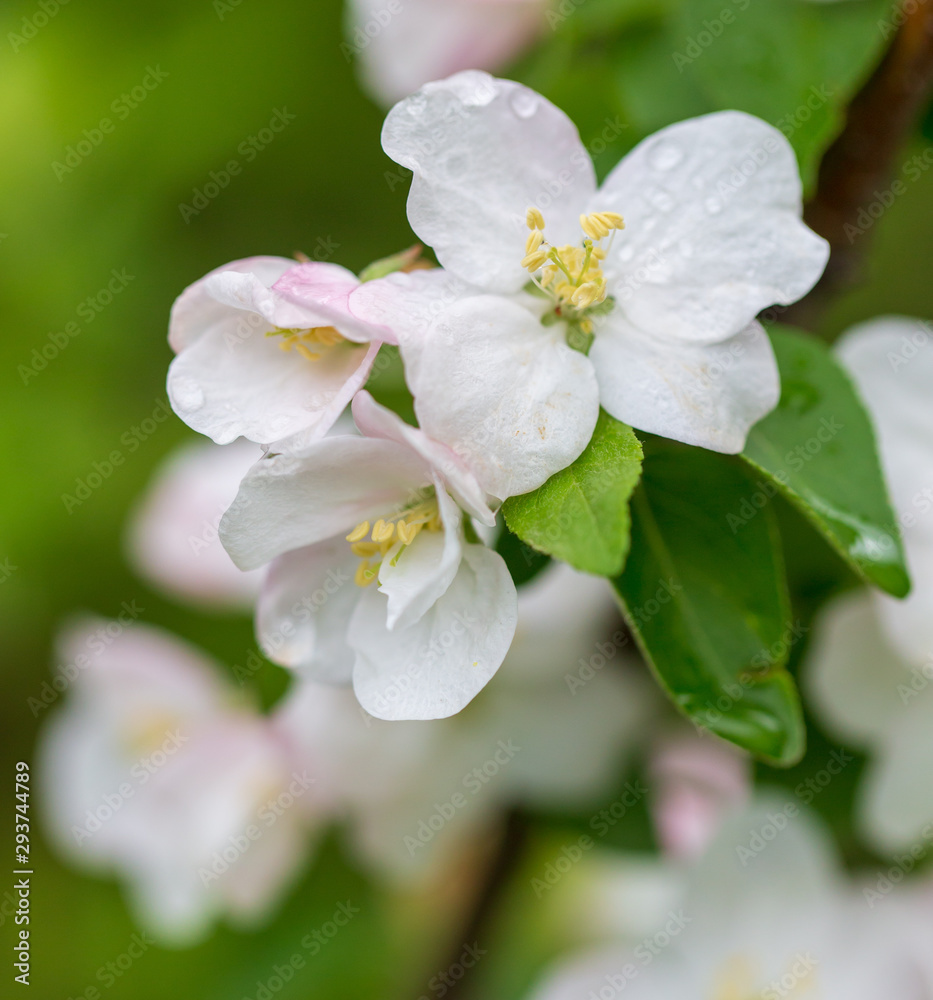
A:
(227, 69)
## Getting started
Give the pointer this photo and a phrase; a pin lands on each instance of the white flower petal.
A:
(504, 392)
(713, 235)
(705, 395)
(304, 609)
(196, 311)
(289, 501)
(435, 667)
(246, 386)
(483, 151)
(377, 421)
(422, 572)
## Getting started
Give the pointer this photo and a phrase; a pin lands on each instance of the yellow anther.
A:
(383, 531)
(365, 574)
(612, 219)
(535, 239)
(408, 532)
(535, 260)
(594, 227)
(305, 353)
(586, 295)
(366, 550)
(359, 532)
(534, 218)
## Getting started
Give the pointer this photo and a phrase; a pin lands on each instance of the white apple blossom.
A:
(871, 665)
(415, 796)
(779, 922)
(402, 44)
(172, 535)
(392, 507)
(658, 274)
(152, 771)
(254, 362)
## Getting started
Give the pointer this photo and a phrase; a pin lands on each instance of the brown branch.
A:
(474, 930)
(861, 161)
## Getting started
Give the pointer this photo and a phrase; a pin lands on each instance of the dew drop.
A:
(662, 201)
(524, 104)
(713, 206)
(625, 253)
(665, 156)
(187, 395)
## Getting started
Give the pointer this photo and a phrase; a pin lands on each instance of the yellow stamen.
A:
(534, 261)
(534, 218)
(365, 574)
(383, 531)
(359, 532)
(535, 239)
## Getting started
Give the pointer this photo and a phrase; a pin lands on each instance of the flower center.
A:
(311, 343)
(397, 531)
(572, 276)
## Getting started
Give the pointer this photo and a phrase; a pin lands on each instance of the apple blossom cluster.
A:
(555, 298)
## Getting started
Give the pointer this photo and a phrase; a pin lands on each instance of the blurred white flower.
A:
(172, 537)
(764, 913)
(402, 44)
(417, 794)
(696, 782)
(154, 773)
(870, 671)
(558, 296)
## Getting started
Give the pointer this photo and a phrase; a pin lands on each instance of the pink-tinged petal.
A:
(317, 294)
(304, 609)
(377, 421)
(246, 386)
(172, 537)
(696, 782)
(507, 394)
(289, 501)
(431, 39)
(707, 395)
(432, 669)
(196, 311)
(482, 152)
(713, 235)
(405, 305)
(419, 575)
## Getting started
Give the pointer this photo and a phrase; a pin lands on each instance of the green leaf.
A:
(709, 606)
(581, 514)
(818, 447)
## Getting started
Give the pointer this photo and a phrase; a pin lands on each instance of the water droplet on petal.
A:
(662, 201)
(665, 156)
(624, 253)
(713, 205)
(187, 395)
(524, 103)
